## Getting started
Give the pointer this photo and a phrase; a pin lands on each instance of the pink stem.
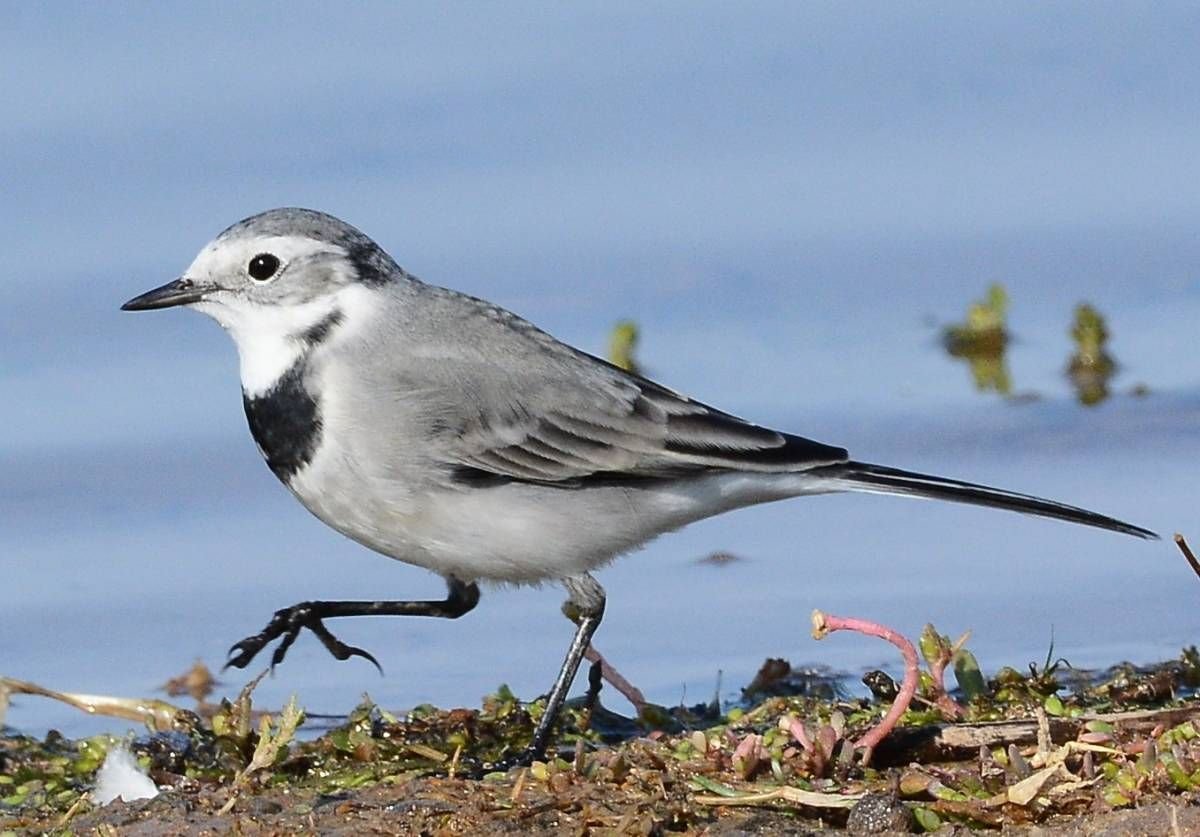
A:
(948, 705)
(824, 624)
(630, 692)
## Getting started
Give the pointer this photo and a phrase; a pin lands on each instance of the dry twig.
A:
(1187, 553)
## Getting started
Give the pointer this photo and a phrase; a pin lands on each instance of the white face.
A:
(267, 292)
(303, 268)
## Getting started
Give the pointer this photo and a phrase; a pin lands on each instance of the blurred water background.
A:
(789, 199)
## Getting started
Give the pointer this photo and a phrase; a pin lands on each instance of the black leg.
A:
(585, 607)
(288, 623)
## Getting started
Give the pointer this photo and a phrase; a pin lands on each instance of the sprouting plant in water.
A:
(1090, 367)
(981, 340)
(622, 343)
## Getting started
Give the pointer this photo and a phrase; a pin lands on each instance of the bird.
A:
(446, 432)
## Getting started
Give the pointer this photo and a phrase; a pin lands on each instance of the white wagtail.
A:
(444, 431)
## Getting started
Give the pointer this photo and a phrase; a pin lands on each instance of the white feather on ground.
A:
(120, 776)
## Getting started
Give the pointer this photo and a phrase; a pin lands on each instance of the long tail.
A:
(876, 479)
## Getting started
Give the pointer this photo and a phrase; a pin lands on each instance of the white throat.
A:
(271, 338)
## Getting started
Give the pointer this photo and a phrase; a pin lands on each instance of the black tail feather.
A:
(862, 476)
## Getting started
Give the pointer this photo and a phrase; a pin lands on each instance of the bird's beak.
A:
(180, 292)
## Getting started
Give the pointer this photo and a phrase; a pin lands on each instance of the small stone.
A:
(879, 813)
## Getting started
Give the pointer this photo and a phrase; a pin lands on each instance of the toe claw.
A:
(339, 649)
(239, 656)
(284, 644)
(354, 651)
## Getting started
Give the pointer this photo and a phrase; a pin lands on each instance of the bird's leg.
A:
(585, 607)
(287, 623)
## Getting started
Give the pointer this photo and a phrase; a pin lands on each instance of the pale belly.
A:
(517, 532)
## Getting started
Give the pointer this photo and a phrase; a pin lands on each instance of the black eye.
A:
(263, 266)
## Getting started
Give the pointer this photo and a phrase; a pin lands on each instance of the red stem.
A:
(948, 705)
(824, 624)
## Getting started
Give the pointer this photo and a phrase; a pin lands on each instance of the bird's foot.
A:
(288, 623)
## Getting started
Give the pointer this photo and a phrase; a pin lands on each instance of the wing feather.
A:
(623, 426)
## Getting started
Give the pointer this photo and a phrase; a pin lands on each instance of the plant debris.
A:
(1016, 750)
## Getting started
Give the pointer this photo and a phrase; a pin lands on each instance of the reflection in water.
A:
(981, 341)
(622, 343)
(1091, 367)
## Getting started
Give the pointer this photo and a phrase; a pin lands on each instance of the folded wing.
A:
(610, 424)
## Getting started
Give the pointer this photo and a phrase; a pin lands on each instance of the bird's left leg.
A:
(585, 607)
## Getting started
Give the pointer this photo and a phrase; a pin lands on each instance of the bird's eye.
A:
(262, 267)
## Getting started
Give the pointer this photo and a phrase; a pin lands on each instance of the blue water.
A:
(789, 203)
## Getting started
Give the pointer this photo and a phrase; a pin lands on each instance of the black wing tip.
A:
(793, 453)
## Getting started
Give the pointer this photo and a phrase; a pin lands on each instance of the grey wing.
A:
(596, 421)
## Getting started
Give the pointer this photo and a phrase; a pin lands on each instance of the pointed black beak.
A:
(179, 292)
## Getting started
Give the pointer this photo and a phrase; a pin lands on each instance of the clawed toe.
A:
(241, 653)
(339, 649)
(285, 626)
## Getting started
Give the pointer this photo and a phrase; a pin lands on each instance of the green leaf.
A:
(966, 672)
(340, 739)
(700, 782)
(1116, 799)
(1177, 774)
(933, 645)
(926, 819)
(939, 791)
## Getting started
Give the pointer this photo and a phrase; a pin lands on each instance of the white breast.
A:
(269, 338)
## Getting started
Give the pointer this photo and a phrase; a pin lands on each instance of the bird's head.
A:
(279, 259)
(278, 280)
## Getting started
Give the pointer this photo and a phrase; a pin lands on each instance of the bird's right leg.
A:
(287, 623)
